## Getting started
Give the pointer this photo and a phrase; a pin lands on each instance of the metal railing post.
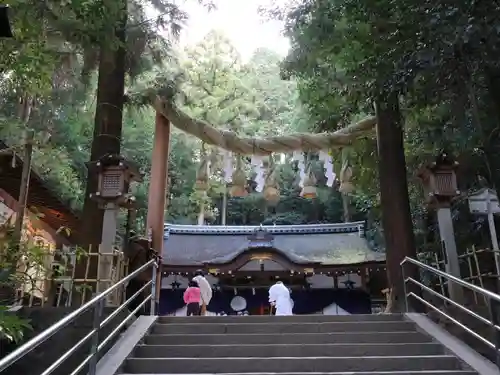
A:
(404, 287)
(493, 307)
(96, 323)
(96, 305)
(153, 289)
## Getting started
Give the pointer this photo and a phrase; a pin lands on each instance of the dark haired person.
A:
(192, 297)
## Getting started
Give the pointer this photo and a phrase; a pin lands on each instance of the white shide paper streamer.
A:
(258, 165)
(299, 156)
(227, 162)
(328, 167)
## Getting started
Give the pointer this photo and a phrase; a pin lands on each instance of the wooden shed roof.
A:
(41, 198)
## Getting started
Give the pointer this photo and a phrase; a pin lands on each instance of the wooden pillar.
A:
(157, 192)
(24, 188)
(345, 208)
(158, 182)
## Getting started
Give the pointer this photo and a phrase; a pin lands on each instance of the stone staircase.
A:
(299, 345)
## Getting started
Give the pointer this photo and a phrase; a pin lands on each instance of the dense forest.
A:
(82, 73)
(215, 85)
(430, 71)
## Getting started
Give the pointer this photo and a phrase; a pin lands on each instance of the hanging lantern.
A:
(271, 193)
(238, 190)
(309, 189)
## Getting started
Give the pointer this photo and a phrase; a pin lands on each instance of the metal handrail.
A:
(492, 298)
(461, 282)
(97, 304)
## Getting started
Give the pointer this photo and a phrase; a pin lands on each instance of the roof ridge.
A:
(357, 226)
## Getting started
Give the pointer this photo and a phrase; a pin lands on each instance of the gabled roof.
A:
(324, 244)
(41, 199)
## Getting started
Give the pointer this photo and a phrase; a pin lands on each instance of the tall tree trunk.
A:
(492, 133)
(107, 128)
(396, 217)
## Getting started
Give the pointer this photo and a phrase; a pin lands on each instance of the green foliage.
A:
(212, 84)
(27, 60)
(441, 57)
(212, 88)
(19, 263)
(12, 327)
(26, 266)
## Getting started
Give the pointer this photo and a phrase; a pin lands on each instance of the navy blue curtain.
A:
(171, 300)
(305, 301)
(315, 300)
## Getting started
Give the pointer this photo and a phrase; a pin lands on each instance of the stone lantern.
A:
(114, 176)
(439, 181)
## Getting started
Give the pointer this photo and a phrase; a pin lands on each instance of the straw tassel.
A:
(346, 186)
(309, 190)
(271, 192)
(239, 181)
(203, 172)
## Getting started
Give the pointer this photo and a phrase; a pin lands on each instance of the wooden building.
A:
(329, 268)
(50, 228)
(46, 213)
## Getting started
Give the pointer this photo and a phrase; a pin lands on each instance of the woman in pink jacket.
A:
(192, 298)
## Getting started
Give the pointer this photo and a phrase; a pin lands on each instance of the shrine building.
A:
(329, 268)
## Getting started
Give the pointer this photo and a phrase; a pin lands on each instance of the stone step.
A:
(290, 338)
(289, 364)
(274, 319)
(279, 327)
(431, 372)
(289, 350)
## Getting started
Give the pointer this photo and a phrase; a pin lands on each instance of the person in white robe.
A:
(205, 289)
(279, 296)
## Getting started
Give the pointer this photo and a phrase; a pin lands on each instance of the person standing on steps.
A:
(205, 289)
(279, 296)
(192, 298)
